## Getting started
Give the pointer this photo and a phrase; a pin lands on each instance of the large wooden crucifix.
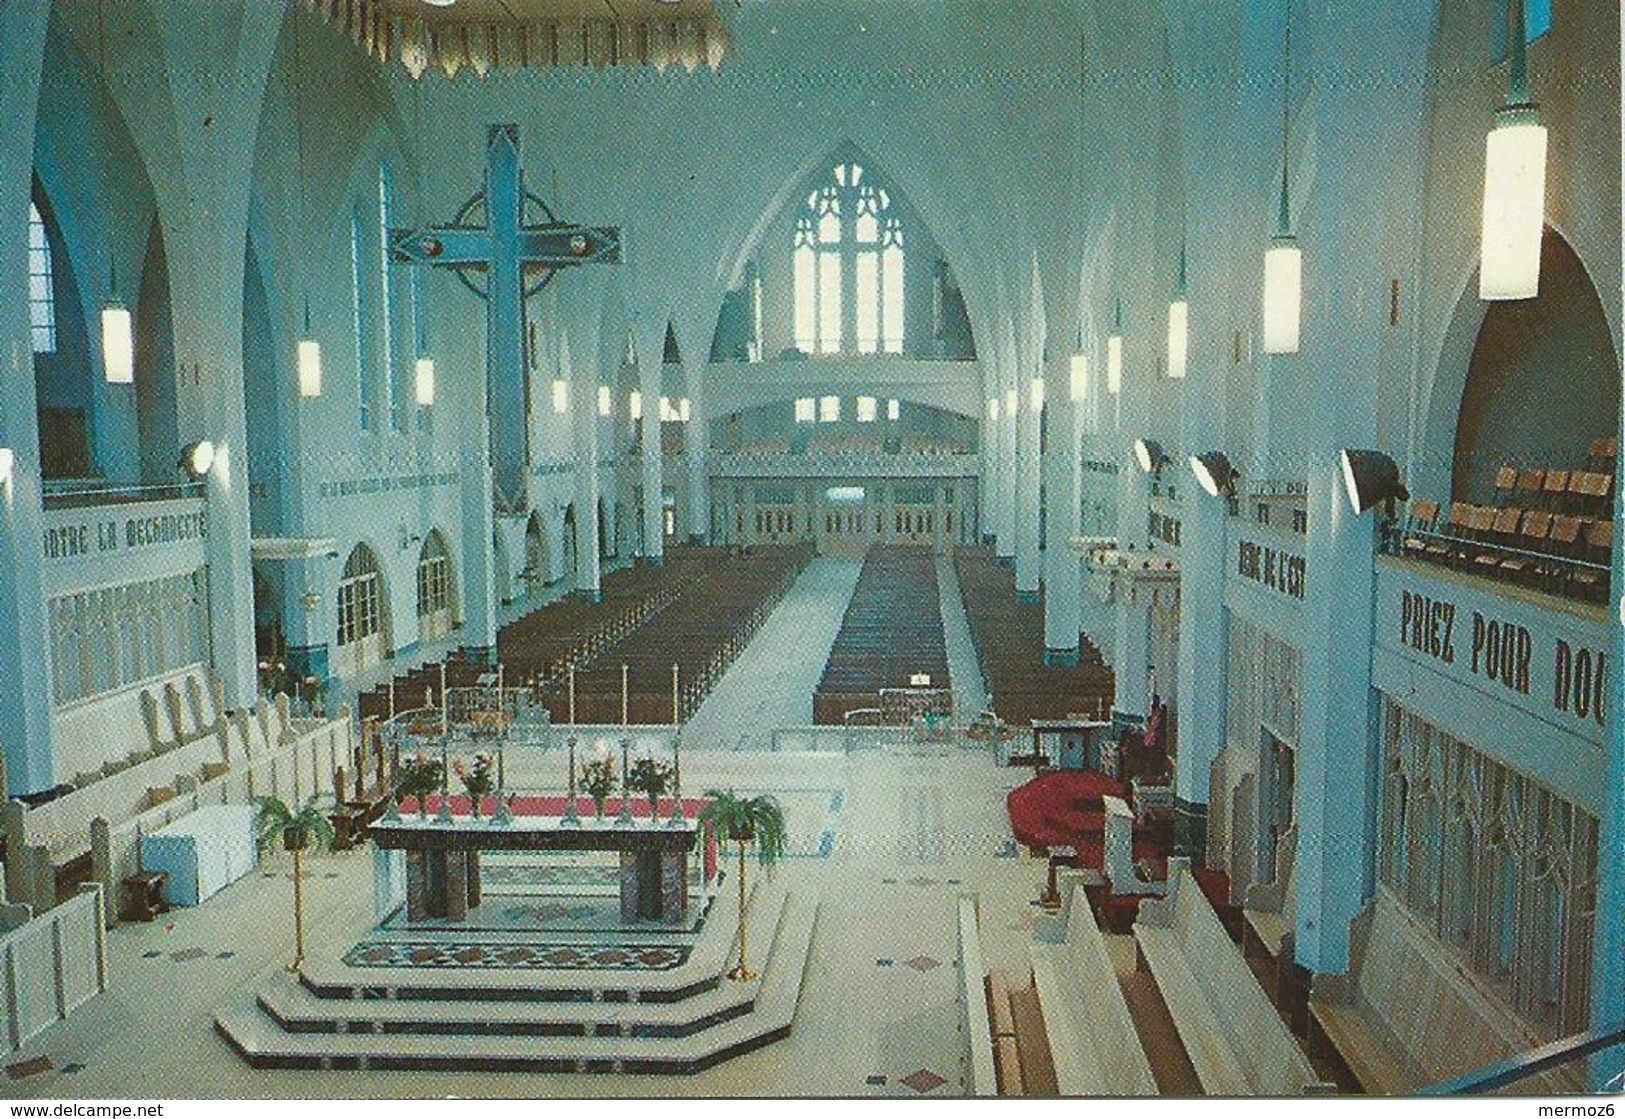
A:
(517, 259)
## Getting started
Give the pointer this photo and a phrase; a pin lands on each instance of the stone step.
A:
(261, 1041)
(299, 1009)
(328, 976)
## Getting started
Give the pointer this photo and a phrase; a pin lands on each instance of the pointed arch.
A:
(363, 633)
(436, 588)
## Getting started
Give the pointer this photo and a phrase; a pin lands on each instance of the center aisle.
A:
(771, 683)
(970, 692)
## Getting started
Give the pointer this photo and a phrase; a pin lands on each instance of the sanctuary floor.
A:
(890, 838)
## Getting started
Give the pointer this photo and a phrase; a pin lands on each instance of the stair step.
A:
(261, 1041)
(331, 978)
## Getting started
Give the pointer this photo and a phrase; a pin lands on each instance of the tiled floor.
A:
(915, 832)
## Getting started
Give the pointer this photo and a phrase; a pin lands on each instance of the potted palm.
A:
(298, 831)
(651, 778)
(757, 820)
(598, 780)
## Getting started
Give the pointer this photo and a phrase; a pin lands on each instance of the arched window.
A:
(358, 319)
(361, 602)
(41, 285)
(386, 318)
(434, 577)
(849, 267)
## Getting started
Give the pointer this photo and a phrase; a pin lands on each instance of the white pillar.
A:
(651, 343)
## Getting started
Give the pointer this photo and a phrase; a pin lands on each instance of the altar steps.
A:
(329, 977)
(287, 1025)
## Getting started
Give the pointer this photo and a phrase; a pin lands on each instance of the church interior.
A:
(809, 548)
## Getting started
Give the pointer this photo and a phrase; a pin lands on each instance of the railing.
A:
(52, 965)
(75, 493)
(1563, 1051)
(1553, 573)
(878, 463)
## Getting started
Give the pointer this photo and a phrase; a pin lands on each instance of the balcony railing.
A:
(77, 493)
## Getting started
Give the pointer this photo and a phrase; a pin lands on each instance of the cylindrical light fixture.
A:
(118, 343)
(1035, 394)
(561, 396)
(424, 382)
(1179, 313)
(1080, 377)
(634, 404)
(993, 408)
(1114, 353)
(1283, 294)
(310, 361)
(682, 410)
(8, 463)
(893, 410)
(606, 401)
(1011, 399)
(1514, 185)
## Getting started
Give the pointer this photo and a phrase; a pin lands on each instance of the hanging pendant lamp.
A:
(1283, 261)
(1179, 312)
(1114, 353)
(1514, 184)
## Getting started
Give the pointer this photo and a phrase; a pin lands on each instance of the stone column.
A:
(203, 210)
(475, 481)
(1133, 628)
(1063, 586)
(1345, 272)
(697, 443)
(580, 371)
(651, 343)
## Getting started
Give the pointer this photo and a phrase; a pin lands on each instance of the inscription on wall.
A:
(1164, 528)
(1271, 567)
(1566, 674)
(77, 539)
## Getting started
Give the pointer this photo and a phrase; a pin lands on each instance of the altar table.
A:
(443, 860)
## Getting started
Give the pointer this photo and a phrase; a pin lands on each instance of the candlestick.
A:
(679, 814)
(674, 719)
(572, 819)
(572, 697)
(623, 697)
(391, 698)
(626, 820)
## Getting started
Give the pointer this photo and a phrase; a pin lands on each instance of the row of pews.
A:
(697, 611)
(701, 631)
(1212, 1006)
(890, 635)
(1009, 638)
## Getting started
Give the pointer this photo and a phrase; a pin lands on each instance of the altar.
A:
(443, 860)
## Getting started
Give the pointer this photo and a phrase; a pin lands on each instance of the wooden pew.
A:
(1407, 1015)
(1237, 1043)
(1094, 1046)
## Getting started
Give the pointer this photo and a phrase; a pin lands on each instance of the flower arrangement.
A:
(479, 777)
(651, 778)
(598, 780)
(418, 777)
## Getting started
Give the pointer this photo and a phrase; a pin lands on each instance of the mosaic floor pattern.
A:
(568, 957)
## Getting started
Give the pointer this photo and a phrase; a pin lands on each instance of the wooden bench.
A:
(1002, 1022)
(1269, 918)
(1093, 1044)
(1407, 1014)
(1236, 1042)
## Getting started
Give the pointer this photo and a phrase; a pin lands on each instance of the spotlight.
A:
(1372, 476)
(197, 458)
(1214, 473)
(1149, 455)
